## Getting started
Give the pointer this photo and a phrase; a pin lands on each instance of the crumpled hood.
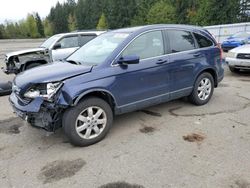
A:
(53, 72)
(21, 52)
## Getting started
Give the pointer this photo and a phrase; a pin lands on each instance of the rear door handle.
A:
(161, 61)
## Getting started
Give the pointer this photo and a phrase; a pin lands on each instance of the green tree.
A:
(2, 31)
(72, 25)
(48, 28)
(213, 12)
(32, 26)
(185, 10)
(140, 17)
(161, 12)
(120, 13)
(59, 18)
(102, 24)
(39, 24)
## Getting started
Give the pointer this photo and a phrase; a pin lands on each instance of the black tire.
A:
(70, 117)
(32, 65)
(194, 98)
(234, 70)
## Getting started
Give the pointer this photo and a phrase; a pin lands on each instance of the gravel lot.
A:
(172, 145)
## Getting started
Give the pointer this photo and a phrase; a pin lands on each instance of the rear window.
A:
(180, 41)
(202, 41)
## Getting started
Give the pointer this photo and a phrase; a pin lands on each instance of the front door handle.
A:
(161, 61)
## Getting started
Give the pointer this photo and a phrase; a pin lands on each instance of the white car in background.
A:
(239, 58)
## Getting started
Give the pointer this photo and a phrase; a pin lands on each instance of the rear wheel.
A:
(88, 122)
(203, 89)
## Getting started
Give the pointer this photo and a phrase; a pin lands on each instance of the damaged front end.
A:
(16, 62)
(43, 111)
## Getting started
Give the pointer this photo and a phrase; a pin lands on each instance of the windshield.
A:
(241, 35)
(97, 50)
(50, 41)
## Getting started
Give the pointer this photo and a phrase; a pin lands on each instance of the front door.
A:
(146, 83)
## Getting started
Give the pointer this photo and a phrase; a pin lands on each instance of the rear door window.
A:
(85, 39)
(203, 41)
(180, 41)
(146, 46)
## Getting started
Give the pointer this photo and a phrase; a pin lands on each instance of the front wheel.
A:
(88, 122)
(203, 89)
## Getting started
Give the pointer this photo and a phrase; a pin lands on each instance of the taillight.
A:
(221, 52)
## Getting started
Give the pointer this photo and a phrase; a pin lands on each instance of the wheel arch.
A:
(40, 61)
(212, 72)
(100, 93)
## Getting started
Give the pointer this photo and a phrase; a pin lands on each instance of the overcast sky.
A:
(15, 10)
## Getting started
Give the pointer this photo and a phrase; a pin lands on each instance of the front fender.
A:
(73, 92)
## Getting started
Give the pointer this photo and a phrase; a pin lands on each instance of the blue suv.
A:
(118, 72)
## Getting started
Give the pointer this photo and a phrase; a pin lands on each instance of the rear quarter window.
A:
(203, 41)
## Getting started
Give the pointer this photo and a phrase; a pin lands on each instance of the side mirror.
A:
(129, 59)
(57, 46)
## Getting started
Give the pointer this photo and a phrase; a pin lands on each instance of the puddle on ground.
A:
(148, 112)
(147, 130)
(11, 126)
(240, 184)
(121, 185)
(194, 137)
(244, 80)
(60, 169)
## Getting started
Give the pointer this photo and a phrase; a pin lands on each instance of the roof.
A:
(157, 26)
(83, 32)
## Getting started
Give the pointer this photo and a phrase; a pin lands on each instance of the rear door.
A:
(69, 44)
(184, 58)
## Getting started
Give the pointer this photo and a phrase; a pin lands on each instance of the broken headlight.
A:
(46, 91)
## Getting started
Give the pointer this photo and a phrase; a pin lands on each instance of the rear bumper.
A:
(238, 63)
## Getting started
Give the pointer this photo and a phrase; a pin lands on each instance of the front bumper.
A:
(238, 63)
(38, 113)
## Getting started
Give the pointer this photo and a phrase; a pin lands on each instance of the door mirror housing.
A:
(57, 46)
(129, 59)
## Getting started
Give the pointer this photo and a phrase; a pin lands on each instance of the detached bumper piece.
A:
(38, 113)
(5, 88)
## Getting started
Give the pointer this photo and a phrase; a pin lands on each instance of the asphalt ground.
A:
(173, 145)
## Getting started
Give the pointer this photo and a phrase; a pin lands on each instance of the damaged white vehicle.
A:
(57, 47)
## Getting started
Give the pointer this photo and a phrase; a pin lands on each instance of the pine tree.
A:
(161, 12)
(39, 24)
(72, 25)
(102, 24)
(213, 12)
(32, 26)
